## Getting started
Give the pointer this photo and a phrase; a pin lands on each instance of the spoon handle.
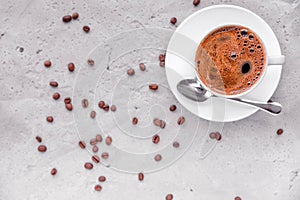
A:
(273, 108)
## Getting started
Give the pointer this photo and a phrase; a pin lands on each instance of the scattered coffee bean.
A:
(169, 197)
(157, 122)
(69, 106)
(85, 103)
(93, 141)
(104, 155)
(162, 124)
(47, 63)
(71, 67)
(67, 100)
(93, 114)
(98, 188)
(42, 148)
(173, 20)
(135, 121)
(106, 108)
(172, 108)
(108, 140)
(81, 144)
(95, 149)
(279, 131)
(162, 63)
(38, 139)
(141, 176)
(142, 66)
(162, 57)
(218, 136)
(180, 120)
(90, 62)
(102, 179)
(113, 108)
(53, 84)
(49, 119)
(157, 157)
(130, 72)
(75, 15)
(155, 139)
(212, 135)
(237, 198)
(56, 96)
(101, 104)
(53, 171)
(176, 144)
(98, 138)
(86, 29)
(196, 2)
(95, 159)
(153, 86)
(88, 165)
(67, 18)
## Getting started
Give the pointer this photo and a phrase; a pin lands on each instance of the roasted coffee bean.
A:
(180, 120)
(93, 141)
(75, 15)
(69, 106)
(98, 188)
(157, 157)
(162, 57)
(47, 63)
(173, 20)
(42, 148)
(153, 86)
(98, 138)
(90, 62)
(67, 100)
(104, 155)
(162, 63)
(141, 176)
(157, 122)
(169, 197)
(130, 72)
(56, 96)
(88, 165)
(172, 108)
(212, 135)
(113, 108)
(85, 103)
(196, 2)
(71, 67)
(162, 124)
(176, 144)
(155, 139)
(49, 119)
(101, 104)
(93, 114)
(38, 139)
(142, 66)
(135, 121)
(108, 140)
(106, 108)
(95, 159)
(218, 136)
(86, 29)
(67, 18)
(53, 84)
(237, 198)
(95, 149)
(279, 131)
(102, 179)
(81, 144)
(53, 171)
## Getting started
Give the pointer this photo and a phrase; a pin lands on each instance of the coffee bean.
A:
(42, 148)
(157, 122)
(93, 141)
(85, 103)
(98, 188)
(69, 106)
(172, 108)
(196, 2)
(95, 149)
(113, 108)
(86, 29)
(93, 114)
(104, 155)
(88, 165)
(98, 138)
(90, 62)
(67, 18)
(142, 66)
(71, 67)
(153, 86)
(108, 140)
(218, 136)
(237, 198)
(141, 176)
(162, 63)
(81, 144)
(169, 197)
(56, 96)
(95, 159)
(279, 131)
(47, 63)
(53, 171)
(101, 104)
(155, 139)
(102, 179)
(130, 72)
(212, 135)
(135, 121)
(176, 144)
(157, 157)
(162, 124)
(53, 84)
(38, 139)
(173, 20)
(49, 119)
(180, 120)
(67, 100)
(106, 108)
(162, 57)
(75, 15)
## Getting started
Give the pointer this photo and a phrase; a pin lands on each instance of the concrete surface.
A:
(251, 161)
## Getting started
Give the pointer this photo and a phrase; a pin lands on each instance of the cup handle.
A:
(276, 60)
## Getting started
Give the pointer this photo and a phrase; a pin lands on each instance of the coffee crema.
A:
(230, 60)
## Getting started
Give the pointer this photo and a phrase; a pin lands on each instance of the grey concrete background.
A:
(251, 160)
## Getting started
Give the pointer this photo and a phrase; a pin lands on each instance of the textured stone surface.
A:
(251, 160)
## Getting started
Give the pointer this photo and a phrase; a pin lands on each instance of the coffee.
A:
(230, 60)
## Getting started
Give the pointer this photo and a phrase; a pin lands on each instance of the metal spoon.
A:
(192, 89)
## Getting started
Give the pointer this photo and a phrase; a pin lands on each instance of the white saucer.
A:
(195, 27)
